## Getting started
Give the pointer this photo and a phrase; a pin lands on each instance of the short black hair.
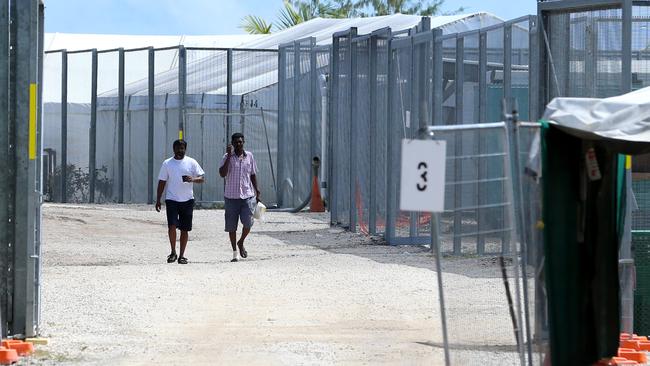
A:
(237, 135)
(179, 143)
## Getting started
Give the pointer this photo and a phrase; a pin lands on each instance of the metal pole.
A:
(282, 123)
(92, 153)
(333, 131)
(182, 89)
(482, 118)
(39, 173)
(26, 89)
(626, 72)
(314, 101)
(533, 70)
(391, 193)
(374, 179)
(120, 124)
(437, 78)
(295, 128)
(228, 93)
(353, 156)
(458, 145)
(64, 126)
(150, 115)
(6, 262)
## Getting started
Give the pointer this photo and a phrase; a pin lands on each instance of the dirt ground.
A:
(307, 295)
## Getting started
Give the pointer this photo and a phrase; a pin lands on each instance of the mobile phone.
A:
(186, 178)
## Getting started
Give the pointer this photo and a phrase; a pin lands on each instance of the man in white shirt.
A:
(178, 173)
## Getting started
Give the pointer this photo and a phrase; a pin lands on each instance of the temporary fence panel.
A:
(207, 116)
(106, 147)
(491, 321)
(340, 117)
(52, 126)
(77, 127)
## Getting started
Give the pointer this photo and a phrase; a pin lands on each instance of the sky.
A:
(204, 17)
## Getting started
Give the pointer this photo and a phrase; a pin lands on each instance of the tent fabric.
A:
(581, 248)
(623, 121)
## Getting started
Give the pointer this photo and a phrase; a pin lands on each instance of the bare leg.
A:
(171, 232)
(184, 237)
(240, 243)
(233, 239)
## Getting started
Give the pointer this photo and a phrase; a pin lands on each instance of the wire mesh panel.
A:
(401, 126)
(449, 80)
(495, 59)
(640, 50)
(340, 157)
(490, 324)
(380, 157)
(106, 175)
(361, 133)
(421, 112)
(302, 121)
(587, 52)
(77, 183)
(52, 74)
(285, 122)
(166, 106)
(136, 156)
(520, 65)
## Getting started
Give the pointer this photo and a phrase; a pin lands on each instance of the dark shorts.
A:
(179, 214)
(239, 209)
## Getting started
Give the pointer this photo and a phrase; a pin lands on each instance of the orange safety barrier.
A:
(22, 348)
(6, 342)
(8, 356)
(633, 355)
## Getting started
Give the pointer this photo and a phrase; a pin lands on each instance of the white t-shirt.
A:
(172, 171)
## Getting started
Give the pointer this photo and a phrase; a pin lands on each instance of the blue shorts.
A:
(241, 209)
(180, 214)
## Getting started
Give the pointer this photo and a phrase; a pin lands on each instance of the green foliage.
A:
(253, 24)
(78, 184)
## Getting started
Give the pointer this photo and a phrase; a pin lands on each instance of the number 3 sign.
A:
(423, 175)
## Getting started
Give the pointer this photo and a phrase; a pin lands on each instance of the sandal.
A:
(234, 260)
(182, 260)
(172, 258)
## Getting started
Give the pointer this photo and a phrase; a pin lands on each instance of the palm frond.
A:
(253, 24)
(288, 17)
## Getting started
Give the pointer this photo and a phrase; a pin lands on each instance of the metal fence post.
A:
(626, 70)
(353, 156)
(533, 70)
(482, 116)
(92, 137)
(334, 125)
(64, 127)
(182, 90)
(24, 126)
(437, 94)
(374, 179)
(391, 194)
(228, 94)
(313, 101)
(6, 259)
(296, 118)
(150, 125)
(458, 145)
(39, 172)
(282, 123)
(120, 124)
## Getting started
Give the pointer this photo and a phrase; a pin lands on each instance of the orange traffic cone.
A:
(316, 199)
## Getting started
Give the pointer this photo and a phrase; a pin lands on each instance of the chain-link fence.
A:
(111, 117)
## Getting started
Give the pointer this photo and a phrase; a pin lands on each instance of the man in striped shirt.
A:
(241, 193)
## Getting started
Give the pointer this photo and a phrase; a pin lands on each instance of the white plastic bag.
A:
(259, 211)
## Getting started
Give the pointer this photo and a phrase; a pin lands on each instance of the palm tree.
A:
(386, 7)
(253, 24)
(298, 11)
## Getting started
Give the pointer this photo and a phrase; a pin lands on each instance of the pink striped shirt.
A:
(238, 178)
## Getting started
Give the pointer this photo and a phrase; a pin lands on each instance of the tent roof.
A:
(206, 70)
(623, 121)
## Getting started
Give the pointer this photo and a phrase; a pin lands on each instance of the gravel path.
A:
(307, 295)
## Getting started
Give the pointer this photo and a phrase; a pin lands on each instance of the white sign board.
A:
(423, 175)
